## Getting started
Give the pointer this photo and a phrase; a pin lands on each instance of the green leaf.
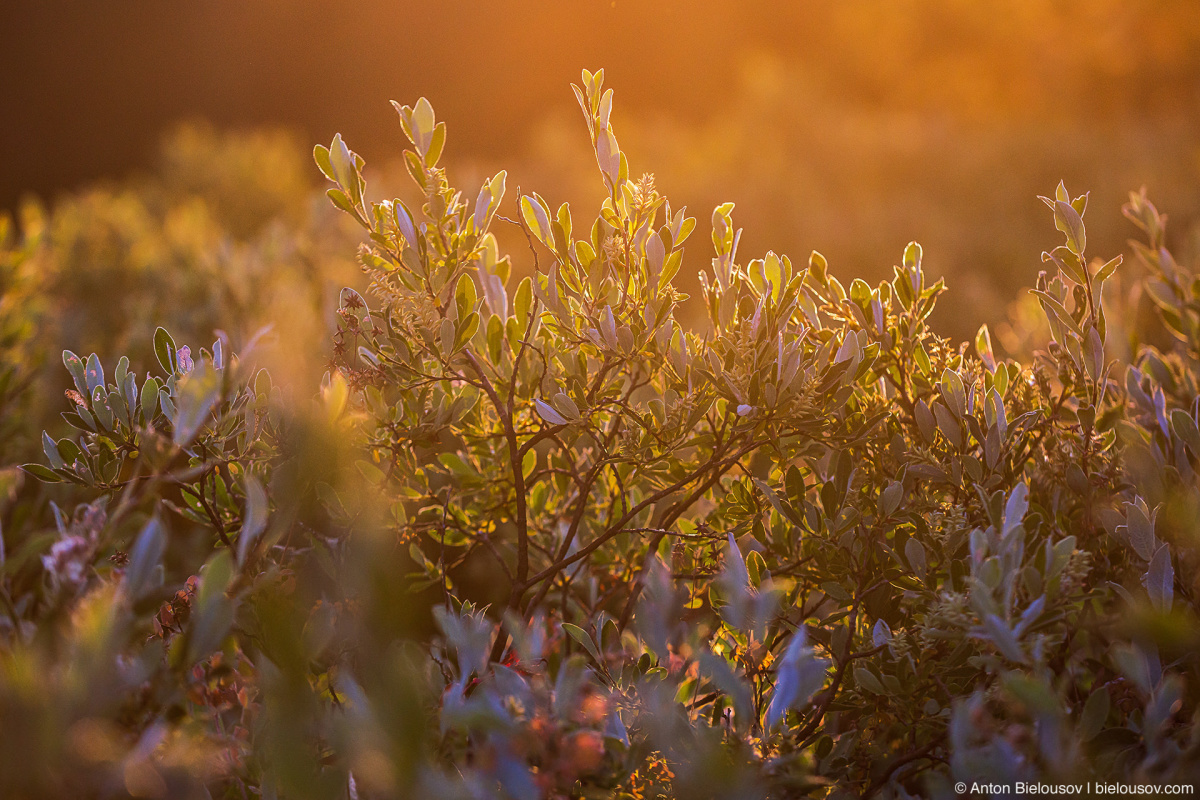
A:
(921, 358)
(912, 256)
(670, 269)
(94, 373)
(423, 122)
(818, 266)
(321, 156)
(925, 421)
(584, 639)
(164, 350)
(120, 410)
(1185, 428)
(608, 327)
(495, 338)
(1067, 262)
(866, 680)
(1067, 220)
(537, 217)
(1080, 203)
(523, 301)
(983, 346)
(566, 406)
(954, 391)
(342, 163)
(549, 414)
(342, 201)
(1106, 271)
(1093, 352)
(1052, 306)
(101, 409)
(890, 498)
(860, 293)
(262, 385)
(465, 296)
(1139, 529)
(995, 413)
(756, 568)
(915, 553)
(74, 365)
(1094, 714)
(404, 223)
(1001, 380)
(436, 143)
(608, 155)
(149, 399)
(776, 502)
(42, 473)
(50, 448)
(466, 330)
(69, 451)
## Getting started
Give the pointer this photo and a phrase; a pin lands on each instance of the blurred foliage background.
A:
(851, 127)
(157, 169)
(225, 234)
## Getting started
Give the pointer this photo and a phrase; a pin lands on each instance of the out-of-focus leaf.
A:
(254, 519)
(999, 634)
(1159, 579)
(212, 614)
(801, 675)
(1185, 428)
(1095, 712)
(144, 558)
(196, 395)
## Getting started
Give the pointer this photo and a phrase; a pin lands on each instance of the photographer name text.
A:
(1073, 789)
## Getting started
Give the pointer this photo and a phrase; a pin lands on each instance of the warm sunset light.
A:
(603, 399)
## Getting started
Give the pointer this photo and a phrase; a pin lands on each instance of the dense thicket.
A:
(536, 538)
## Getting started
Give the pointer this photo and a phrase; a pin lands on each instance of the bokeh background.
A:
(156, 170)
(166, 146)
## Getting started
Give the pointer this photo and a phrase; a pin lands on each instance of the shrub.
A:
(809, 548)
(224, 235)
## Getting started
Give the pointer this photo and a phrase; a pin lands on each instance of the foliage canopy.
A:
(808, 548)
